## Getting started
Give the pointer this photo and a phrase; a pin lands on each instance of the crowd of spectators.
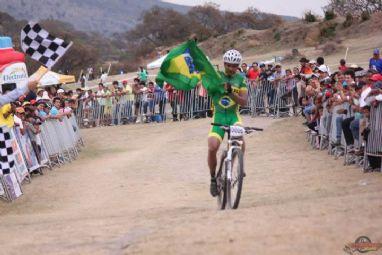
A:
(349, 91)
(140, 100)
(314, 88)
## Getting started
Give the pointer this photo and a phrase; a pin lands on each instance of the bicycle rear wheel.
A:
(235, 184)
(221, 182)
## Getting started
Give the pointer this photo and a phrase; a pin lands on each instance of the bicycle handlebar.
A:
(225, 127)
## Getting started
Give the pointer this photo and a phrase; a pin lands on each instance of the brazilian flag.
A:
(185, 66)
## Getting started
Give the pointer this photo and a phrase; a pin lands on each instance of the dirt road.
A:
(143, 189)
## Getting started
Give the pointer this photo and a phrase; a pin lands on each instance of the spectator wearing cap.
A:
(61, 93)
(305, 68)
(45, 96)
(39, 94)
(313, 64)
(342, 68)
(376, 62)
(323, 72)
(376, 77)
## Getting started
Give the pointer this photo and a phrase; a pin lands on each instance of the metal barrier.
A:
(374, 140)
(332, 137)
(270, 98)
(59, 142)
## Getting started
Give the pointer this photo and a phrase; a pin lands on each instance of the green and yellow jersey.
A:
(226, 110)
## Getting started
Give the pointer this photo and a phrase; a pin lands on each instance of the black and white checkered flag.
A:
(42, 46)
(6, 151)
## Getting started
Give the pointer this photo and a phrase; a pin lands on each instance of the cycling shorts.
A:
(229, 119)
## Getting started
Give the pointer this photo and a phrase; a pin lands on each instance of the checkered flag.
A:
(42, 46)
(6, 151)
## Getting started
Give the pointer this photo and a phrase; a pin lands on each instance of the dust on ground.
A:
(144, 189)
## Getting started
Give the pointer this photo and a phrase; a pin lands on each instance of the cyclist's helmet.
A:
(232, 57)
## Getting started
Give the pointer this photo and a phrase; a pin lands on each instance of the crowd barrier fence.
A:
(330, 133)
(59, 142)
(264, 98)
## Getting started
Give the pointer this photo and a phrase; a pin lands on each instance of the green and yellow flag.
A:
(185, 66)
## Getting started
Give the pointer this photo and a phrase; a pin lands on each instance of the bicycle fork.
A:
(228, 160)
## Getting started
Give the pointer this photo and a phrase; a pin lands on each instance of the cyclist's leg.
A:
(213, 147)
(215, 137)
(214, 141)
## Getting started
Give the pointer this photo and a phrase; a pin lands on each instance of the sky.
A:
(283, 7)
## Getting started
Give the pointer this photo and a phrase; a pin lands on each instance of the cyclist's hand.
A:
(228, 88)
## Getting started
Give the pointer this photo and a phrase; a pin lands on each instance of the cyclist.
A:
(226, 109)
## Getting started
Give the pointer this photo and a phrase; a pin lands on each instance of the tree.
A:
(354, 7)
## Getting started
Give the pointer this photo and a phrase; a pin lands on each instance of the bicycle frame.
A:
(231, 145)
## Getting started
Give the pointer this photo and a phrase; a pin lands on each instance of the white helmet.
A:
(232, 57)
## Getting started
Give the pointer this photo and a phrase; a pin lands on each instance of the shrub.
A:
(365, 16)
(348, 20)
(329, 14)
(310, 17)
(328, 31)
(277, 36)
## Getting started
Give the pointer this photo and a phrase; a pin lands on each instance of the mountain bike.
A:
(230, 178)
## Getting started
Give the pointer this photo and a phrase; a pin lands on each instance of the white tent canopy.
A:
(52, 78)
(157, 63)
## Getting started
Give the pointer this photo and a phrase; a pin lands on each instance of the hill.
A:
(105, 17)
(326, 38)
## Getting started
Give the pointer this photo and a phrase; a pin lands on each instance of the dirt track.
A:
(144, 190)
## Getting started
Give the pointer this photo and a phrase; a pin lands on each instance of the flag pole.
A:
(108, 70)
(346, 54)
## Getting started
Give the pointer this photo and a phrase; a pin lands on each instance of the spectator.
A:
(61, 94)
(173, 100)
(375, 62)
(138, 98)
(142, 74)
(103, 78)
(342, 68)
(41, 110)
(108, 100)
(244, 70)
(253, 72)
(54, 112)
(83, 81)
(305, 68)
(18, 119)
(40, 93)
(321, 63)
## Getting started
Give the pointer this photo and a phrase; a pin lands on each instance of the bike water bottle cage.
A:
(236, 132)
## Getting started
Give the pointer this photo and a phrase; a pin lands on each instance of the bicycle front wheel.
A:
(221, 181)
(234, 185)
